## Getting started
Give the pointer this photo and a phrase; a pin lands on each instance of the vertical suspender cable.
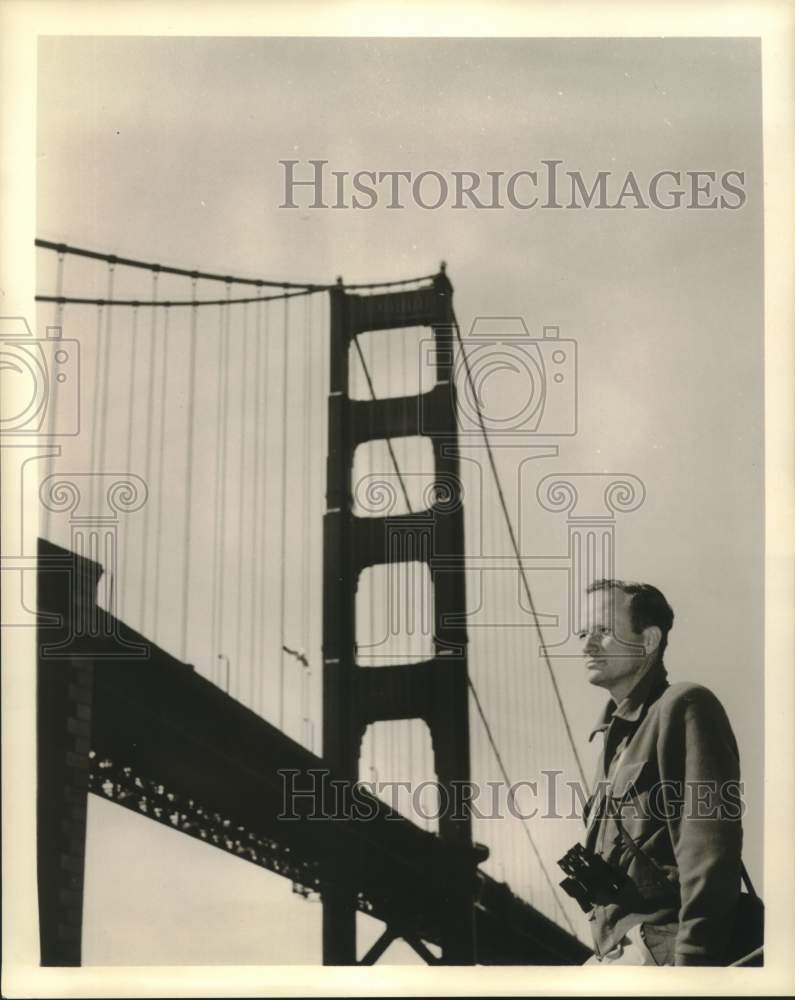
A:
(52, 411)
(253, 434)
(109, 562)
(255, 596)
(305, 582)
(149, 407)
(369, 472)
(241, 547)
(215, 649)
(406, 572)
(96, 405)
(101, 411)
(316, 491)
(286, 341)
(186, 541)
(58, 318)
(512, 659)
(323, 418)
(161, 468)
(413, 577)
(220, 506)
(103, 414)
(263, 507)
(128, 464)
(360, 389)
(224, 485)
(374, 728)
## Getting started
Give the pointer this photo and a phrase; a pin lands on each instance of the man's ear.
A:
(652, 637)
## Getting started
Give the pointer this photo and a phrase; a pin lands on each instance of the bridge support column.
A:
(339, 925)
(436, 690)
(65, 681)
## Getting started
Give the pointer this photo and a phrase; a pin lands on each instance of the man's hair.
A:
(648, 606)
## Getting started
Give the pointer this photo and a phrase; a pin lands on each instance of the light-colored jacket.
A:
(667, 812)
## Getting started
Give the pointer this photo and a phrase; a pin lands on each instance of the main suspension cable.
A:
(305, 287)
(63, 248)
(509, 784)
(172, 303)
(515, 547)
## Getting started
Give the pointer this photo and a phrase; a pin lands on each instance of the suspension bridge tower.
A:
(436, 690)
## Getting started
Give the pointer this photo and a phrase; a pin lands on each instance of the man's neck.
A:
(627, 684)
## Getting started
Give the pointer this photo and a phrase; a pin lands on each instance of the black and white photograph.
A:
(391, 575)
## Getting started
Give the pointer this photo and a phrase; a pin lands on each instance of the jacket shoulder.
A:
(693, 726)
(686, 696)
(687, 691)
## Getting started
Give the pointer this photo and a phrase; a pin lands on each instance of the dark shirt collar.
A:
(632, 705)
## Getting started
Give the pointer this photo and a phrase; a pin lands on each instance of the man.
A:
(665, 814)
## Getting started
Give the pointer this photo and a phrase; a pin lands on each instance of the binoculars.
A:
(591, 880)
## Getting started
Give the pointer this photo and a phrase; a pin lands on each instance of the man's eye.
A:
(595, 631)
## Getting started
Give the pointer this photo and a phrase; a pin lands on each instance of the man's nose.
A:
(591, 644)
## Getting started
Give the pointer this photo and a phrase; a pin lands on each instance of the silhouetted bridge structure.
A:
(122, 718)
(168, 744)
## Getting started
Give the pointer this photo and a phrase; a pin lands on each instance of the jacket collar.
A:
(635, 702)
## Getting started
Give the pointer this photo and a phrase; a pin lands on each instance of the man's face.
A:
(614, 653)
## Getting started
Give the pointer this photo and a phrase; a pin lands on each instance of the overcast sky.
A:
(168, 150)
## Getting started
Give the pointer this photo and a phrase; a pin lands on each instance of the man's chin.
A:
(595, 678)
